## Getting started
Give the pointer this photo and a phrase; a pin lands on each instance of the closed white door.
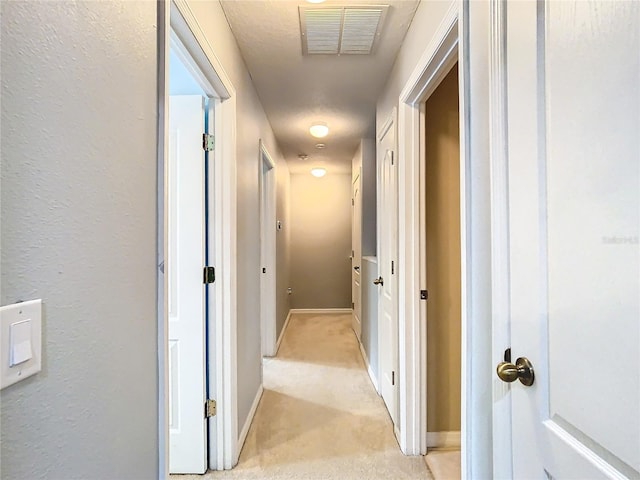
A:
(356, 259)
(573, 94)
(387, 270)
(186, 259)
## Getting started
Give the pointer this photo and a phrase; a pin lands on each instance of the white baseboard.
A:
(374, 380)
(443, 439)
(284, 328)
(325, 311)
(247, 423)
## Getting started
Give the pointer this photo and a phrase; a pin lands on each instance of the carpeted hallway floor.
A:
(320, 417)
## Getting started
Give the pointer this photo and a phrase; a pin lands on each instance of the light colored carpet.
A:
(320, 417)
(444, 464)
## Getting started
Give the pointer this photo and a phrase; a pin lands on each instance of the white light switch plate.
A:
(20, 323)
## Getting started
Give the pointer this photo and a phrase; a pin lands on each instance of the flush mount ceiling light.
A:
(319, 129)
(318, 172)
(303, 156)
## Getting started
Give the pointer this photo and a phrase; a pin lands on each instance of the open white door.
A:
(186, 259)
(387, 268)
(356, 249)
(573, 91)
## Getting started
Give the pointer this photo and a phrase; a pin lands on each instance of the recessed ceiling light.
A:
(320, 146)
(319, 130)
(318, 172)
(303, 156)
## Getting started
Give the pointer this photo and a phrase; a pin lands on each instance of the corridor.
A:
(320, 417)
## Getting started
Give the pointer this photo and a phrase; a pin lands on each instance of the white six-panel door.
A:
(356, 259)
(388, 269)
(573, 93)
(186, 259)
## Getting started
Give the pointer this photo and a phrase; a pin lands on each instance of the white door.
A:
(186, 259)
(267, 253)
(387, 269)
(573, 93)
(356, 259)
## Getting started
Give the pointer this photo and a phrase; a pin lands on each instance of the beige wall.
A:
(443, 256)
(321, 241)
(251, 126)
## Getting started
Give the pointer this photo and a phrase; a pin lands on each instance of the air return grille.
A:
(341, 30)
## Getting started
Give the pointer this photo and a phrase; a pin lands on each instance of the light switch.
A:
(20, 342)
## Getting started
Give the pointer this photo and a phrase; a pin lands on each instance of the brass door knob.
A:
(522, 370)
(378, 281)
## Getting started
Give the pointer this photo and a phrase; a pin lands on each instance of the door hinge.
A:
(209, 274)
(210, 408)
(392, 159)
(393, 378)
(353, 305)
(392, 267)
(353, 202)
(424, 294)
(208, 142)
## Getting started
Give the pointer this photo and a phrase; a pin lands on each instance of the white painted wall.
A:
(252, 125)
(78, 208)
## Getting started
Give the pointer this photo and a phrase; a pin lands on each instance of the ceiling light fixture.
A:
(303, 156)
(316, 1)
(319, 129)
(320, 146)
(318, 172)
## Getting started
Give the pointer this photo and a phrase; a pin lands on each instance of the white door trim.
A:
(178, 23)
(267, 252)
(450, 42)
(436, 61)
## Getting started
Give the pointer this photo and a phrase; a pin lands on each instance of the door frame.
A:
(267, 182)
(449, 44)
(178, 26)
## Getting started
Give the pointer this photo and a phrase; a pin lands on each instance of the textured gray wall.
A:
(78, 208)
(321, 241)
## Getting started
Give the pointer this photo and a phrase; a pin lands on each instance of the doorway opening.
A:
(190, 112)
(442, 269)
(196, 256)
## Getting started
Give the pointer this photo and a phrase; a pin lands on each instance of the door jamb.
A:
(268, 252)
(176, 19)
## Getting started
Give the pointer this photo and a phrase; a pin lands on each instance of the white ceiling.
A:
(297, 90)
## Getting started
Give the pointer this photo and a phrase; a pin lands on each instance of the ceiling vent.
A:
(330, 30)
